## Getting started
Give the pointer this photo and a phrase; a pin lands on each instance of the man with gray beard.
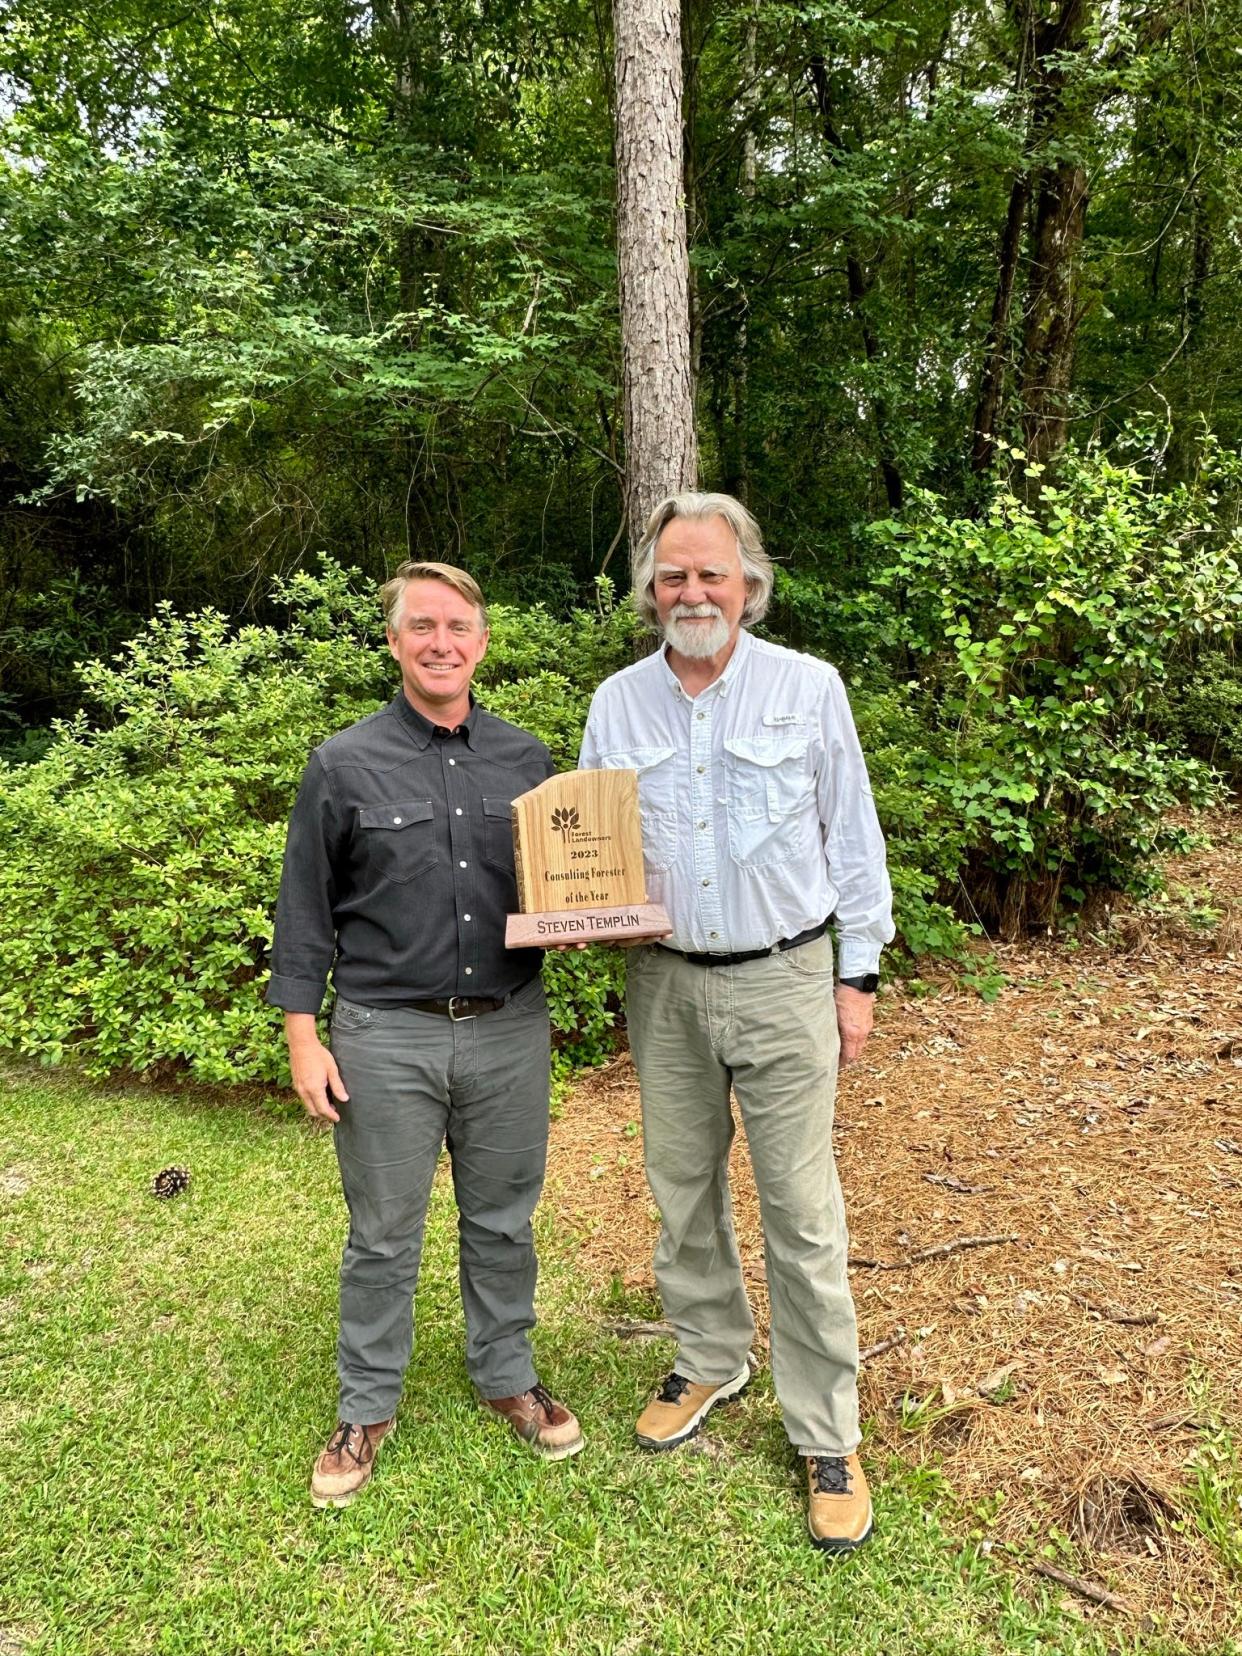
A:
(758, 827)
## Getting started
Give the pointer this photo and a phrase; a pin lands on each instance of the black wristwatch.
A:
(868, 983)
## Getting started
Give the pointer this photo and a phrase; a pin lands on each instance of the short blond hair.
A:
(756, 565)
(392, 593)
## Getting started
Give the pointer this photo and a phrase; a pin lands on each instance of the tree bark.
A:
(1051, 315)
(653, 262)
(1052, 312)
(988, 409)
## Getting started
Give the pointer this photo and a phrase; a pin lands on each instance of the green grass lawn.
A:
(168, 1376)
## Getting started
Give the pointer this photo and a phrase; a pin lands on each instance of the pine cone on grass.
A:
(170, 1181)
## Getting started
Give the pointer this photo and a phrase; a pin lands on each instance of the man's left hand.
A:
(855, 1016)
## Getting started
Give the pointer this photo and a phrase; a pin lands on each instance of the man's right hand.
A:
(316, 1079)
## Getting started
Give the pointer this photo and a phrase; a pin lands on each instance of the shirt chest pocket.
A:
(657, 799)
(498, 833)
(767, 790)
(398, 840)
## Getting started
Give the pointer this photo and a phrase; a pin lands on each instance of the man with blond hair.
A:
(758, 827)
(397, 879)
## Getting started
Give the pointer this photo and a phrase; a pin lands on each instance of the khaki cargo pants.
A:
(767, 1029)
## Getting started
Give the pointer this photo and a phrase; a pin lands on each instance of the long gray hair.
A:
(756, 565)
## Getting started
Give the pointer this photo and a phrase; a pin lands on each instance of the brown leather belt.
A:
(458, 1007)
(780, 947)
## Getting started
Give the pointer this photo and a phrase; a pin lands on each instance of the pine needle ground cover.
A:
(168, 1376)
(1044, 1194)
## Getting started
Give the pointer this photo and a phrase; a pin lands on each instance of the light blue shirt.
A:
(758, 820)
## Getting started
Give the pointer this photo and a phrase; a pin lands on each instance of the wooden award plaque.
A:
(577, 844)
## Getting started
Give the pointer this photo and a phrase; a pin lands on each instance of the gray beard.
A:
(697, 642)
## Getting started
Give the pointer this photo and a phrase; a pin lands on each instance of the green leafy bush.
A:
(1041, 631)
(140, 856)
(1199, 708)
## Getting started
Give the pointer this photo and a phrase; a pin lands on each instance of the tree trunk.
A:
(1052, 311)
(1051, 315)
(989, 408)
(653, 262)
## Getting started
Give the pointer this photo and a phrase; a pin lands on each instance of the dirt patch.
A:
(1065, 1379)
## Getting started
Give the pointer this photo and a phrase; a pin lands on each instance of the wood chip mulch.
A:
(1067, 1161)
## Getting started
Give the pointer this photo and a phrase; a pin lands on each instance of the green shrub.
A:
(1199, 708)
(140, 856)
(1042, 631)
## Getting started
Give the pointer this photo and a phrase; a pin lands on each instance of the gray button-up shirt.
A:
(398, 871)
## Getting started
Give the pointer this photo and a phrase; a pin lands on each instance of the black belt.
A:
(751, 954)
(459, 1006)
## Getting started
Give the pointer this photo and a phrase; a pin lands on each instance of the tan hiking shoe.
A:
(839, 1509)
(344, 1468)
(539, 1420)
(681, 1406)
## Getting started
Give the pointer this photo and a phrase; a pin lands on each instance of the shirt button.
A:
(458, 811)
(469, 970)
(702, 825)
(707, 882)
(700, 715)
(713, 934)
(465, 917)
(461, 865)
(700, 769)
(396, 819)
(452, 761)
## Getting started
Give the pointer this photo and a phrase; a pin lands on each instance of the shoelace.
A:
(340, 1441)
(673, 1389)
(832, 1475)
(543, 1397)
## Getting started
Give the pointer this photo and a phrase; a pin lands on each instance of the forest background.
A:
(291, 291)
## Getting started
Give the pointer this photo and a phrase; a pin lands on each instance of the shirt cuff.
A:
(856, 956)
(295, 994)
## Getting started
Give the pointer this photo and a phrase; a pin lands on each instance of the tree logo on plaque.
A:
(578, 852)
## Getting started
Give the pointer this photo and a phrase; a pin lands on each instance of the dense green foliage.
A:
(139, 856)
(1042, 633)
(274, 282)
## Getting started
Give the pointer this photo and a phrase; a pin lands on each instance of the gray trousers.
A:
(416, 1081)
(768, 1029)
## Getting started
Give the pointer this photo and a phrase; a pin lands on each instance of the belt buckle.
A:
(456, 1016)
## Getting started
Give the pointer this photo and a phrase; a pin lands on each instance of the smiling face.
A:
(700, 589)
(438, 643)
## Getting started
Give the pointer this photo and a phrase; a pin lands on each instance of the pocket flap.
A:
(770, 750)
(498, 808)
(400, 814)
(637, 759)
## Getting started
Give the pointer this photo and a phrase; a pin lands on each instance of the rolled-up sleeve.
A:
(304, 944)
(853, 841)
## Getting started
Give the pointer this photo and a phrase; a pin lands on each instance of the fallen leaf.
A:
(996, 1379)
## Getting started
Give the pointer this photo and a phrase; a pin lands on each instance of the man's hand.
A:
(316, 1079)
(855, 1016)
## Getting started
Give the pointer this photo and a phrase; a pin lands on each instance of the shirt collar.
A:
(424, 731)
(724, 683)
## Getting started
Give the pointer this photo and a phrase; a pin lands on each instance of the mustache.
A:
(690, 612)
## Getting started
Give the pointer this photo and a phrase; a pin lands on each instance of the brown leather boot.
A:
(344, 1468)
(839, 1511)
(538, 1419)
